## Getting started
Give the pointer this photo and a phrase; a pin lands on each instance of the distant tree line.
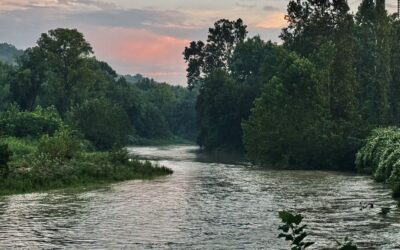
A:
(61, 71)
(308, 103)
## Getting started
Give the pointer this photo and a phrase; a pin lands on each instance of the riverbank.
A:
(173, 140)
(60, 162)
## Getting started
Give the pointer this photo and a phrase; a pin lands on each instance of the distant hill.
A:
(8, 53)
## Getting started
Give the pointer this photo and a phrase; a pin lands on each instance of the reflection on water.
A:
(203, 205)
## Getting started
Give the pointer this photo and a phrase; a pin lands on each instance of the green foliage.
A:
(101, 122)
(5, 155)
(63, 145)
(58, 161)
(286, 126)
(119, 155)
(381, 157)
(8, 53)
(5, 75)
(20, 146)
(203, 59)
(27, 81)
(65, 53)
(373, 61)
(62, 72)
(157, 110)
(15, 122)
(293, 230)
(219, 126)
(41, 172)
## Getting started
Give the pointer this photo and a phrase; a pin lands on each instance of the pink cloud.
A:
(140, 51)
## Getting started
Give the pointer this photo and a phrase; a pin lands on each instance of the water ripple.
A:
(202, 205)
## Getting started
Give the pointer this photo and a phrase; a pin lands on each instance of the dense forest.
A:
(310, 102)
(106, 108)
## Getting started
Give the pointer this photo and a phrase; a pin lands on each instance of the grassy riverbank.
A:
(62, 161)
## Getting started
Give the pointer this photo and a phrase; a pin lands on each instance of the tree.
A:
(373, 60)
(204, 58)
(5, 75)
(28, 80)
(313, 25)
(395, 74)
(65, 52)
(218, 113)
(103, 123)
(287, 125)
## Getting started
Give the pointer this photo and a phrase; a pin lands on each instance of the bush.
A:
(62, 145)
(20, 146)
(17, 123)
(5, 155)
(381, 157)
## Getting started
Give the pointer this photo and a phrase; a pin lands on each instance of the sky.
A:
(140, 36)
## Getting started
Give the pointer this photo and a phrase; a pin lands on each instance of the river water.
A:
(205, 204)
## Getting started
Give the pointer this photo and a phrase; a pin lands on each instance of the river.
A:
(205, 204)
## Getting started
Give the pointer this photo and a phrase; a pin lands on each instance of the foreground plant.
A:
(293, 231)
(347, 244)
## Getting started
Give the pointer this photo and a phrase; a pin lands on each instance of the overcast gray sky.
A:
(140, 36)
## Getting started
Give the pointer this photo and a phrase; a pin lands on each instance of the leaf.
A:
(299, 238)
(300, 229)
(284, 228)
(286, 217)
(307, 244)
(297, 219)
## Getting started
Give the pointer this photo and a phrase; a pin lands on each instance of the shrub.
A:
(119, 155)
(381, 157)
(20, 146)
(17, 123)
(62, 145)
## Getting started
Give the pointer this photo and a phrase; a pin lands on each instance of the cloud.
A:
(133, 38)
(140, 51)
(270, 8)
(246, 4)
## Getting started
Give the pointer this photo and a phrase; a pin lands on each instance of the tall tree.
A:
(373, 60)
(204, 58)
(286, 126)
(315, 25)
(66, 51)
(29, 78)
(395, 74)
